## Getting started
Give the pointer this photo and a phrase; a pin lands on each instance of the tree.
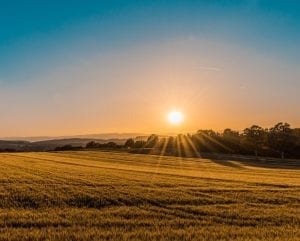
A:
(139, 144)
(111, 144)
(129, 143)
(296, 146)
(208, 141)
(152, 141)
(231, 139)
(170, 145)
(281, 138)
(255, 136)
(92, 144)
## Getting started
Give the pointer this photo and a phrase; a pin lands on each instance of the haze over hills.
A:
(48, 143)
(103, 136)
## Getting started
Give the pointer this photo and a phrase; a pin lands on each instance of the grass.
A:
(92, 195)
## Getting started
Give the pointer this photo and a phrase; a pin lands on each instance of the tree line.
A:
(279, 141)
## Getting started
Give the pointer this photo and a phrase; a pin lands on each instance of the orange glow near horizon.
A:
(193, 77)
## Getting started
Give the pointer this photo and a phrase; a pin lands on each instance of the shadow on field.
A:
(228, 163)
(243, 161)
(280, 164)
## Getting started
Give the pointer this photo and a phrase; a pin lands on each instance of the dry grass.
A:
(119, 196)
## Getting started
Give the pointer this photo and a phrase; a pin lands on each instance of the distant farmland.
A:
(119, 196)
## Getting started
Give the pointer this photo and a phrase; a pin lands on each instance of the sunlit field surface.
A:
(119, 196)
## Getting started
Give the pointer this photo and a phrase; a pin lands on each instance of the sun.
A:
(175, 117)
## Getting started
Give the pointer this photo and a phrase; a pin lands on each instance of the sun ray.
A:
(178, 152)
(197, 153)
(217, 142)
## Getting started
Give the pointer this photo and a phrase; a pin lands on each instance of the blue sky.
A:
(43, 38)
(35, 31)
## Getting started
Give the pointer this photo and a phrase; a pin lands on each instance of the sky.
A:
(82, 67)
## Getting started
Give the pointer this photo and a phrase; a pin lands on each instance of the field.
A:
(92, 195)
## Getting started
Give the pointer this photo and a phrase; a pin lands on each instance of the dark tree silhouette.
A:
(151, 141)
(208, 141)
(281, 138)
(139, 144)
(253, 140)
(255, 136)
(111, 144)
(92, 144)
(231, 139)
(266, 142)
(129, 143)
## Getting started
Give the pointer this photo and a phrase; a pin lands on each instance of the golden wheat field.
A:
(93, 195)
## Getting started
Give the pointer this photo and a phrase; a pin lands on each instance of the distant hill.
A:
(14, 145)
(48, 145)
(44, 143)
(103, 136)
(76, 142)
